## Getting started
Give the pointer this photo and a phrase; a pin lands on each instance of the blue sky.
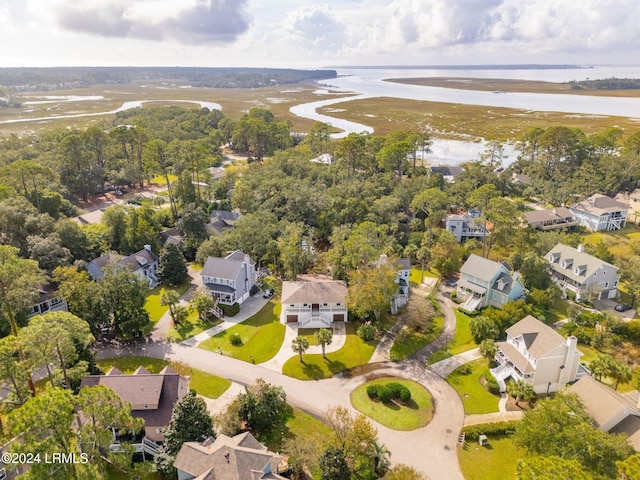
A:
(295, 33)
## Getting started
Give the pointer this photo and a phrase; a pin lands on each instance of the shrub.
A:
(491, 383)
(230, 310)
(236, 341)
(366, 332)
(255, 289)
(472, 432)
(372, 391)
(395, 388)
(464, 369)
(384, 393)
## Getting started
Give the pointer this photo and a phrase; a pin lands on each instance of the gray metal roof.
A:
(326, 291)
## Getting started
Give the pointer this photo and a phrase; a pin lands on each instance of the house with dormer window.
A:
(538, 355)
(143, 263)
(485, 283)
(585, 275)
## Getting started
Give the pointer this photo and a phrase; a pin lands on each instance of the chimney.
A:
(147, 247)
(569, 361)
(580, 248)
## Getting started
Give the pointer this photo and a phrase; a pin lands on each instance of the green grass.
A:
(205, 384)
(262, 335)
(299, 425)
(308, 333)
(355, 352)
(191, 327)
(415, 275)
(496, 460)
(557, 312)
(407, 343)
(152, 304)
(475, 398)
(417, 413)
(196, 266)
(112, 474)
(161, 180)
(462, 340)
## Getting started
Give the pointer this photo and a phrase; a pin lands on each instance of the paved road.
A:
(431, 449)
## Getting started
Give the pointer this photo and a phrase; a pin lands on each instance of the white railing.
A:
(310, 318)
(216, 310)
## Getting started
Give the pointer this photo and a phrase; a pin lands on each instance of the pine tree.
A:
(173, 266)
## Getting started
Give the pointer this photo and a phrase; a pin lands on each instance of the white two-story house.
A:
(230, 279)
(538, 355)
(485, 283)
(400, 298)
(599, 212)
(143, 263)
(587, 276)
(314, 302)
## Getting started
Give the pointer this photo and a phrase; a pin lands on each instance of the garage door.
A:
(292, 318)
(338, 317)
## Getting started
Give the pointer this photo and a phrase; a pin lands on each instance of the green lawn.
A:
(416, 414)
(415, 275)
(407, 343)
(152, 305)
(190, 327)
(262, 335)
(355, 352)
(308, 334)
(496, 460)
(205, 384)
(475, 397)
(299, 424)
(557, 312)
(462, 339)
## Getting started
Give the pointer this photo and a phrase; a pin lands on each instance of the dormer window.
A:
(580, 269)
(554, 257)
(566, 263)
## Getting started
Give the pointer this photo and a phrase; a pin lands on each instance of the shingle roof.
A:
(236, 458)
(579, 259)
(140, 259)
(481, 267)
(598, 204)
(227, 268)
(325, 291)
(547, 215)
(516, 357)
(539, 338)
(601, 402)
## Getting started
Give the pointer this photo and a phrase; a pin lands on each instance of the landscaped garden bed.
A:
(396, 412)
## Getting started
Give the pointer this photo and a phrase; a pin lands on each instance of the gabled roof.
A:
(152, 396)
(229, 458)
(539, 338)
(548, 215)
(598, 204)
(227, 268)
(225, 216)
(589, 263)
(601, 402)
(140, 259)
(447, 171)
(323, 291)
(482, 268)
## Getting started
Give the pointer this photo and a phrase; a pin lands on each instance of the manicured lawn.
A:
(407, 343)
(475, 397)
(152, 305)
(355, 352)
(557, 312)
(299, 425)
(190, 327)
(415, 275)
(261, 335)
(417, 413)
(462, 339)
(205, 384)
(496, 460)
(308, 334)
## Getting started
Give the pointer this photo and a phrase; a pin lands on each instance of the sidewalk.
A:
(285, 353)
(248, 309)
(220, 404)
(448, 365)
(492, 417)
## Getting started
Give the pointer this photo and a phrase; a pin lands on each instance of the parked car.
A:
(622, 307)
(268, 293)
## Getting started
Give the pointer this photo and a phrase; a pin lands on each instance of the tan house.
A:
(152, 398)
(610, 411)
(551, 219)
(538, 355)
(314, 302)
(228, 458)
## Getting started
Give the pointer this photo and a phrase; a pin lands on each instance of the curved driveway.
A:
(431, 449)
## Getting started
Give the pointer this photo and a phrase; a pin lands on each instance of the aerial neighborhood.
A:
(191, 294)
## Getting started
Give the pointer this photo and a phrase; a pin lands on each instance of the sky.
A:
(302, 34)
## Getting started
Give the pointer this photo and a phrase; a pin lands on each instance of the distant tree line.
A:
(606, 84)
(61, 78)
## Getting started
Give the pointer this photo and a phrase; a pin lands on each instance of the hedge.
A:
(472, 432)
(384, 393)
(372, 391)
(230, 310)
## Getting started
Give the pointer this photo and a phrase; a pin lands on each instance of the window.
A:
(159, 430)
(606, 284)
(146, 406)
(338, 304)
(604, 272)
(325, 304)
(615, 284)
(305, 305)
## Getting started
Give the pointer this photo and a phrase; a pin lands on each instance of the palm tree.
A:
(169, 298)
(300, 345)
(600, 365)
(488, 349)
(381, 456)
(323, 337)
(521, 390)
(621, 373)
